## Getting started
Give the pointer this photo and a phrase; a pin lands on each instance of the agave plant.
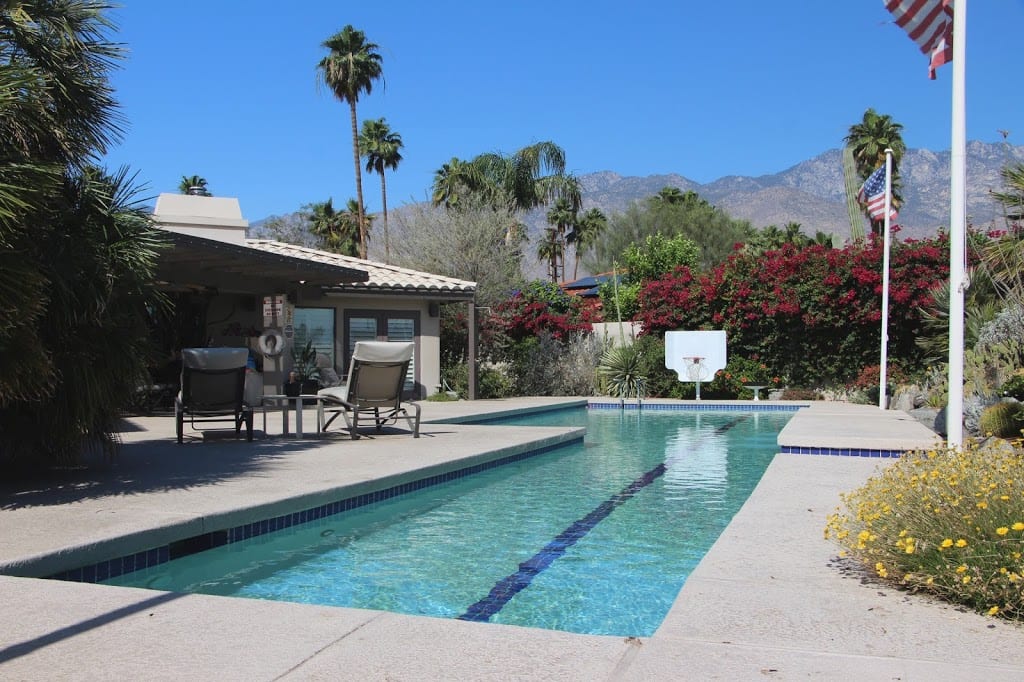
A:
(620, 369)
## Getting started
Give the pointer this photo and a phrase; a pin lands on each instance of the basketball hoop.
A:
(696, 370)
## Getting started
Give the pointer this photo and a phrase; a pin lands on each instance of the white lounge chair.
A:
(376, 376)
(213, 388)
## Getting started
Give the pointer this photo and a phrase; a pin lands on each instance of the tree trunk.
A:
(359, 180)
(384, 208)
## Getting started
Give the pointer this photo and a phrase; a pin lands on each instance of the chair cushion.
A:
(339, 393)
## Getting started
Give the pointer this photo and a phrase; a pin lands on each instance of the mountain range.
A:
(812, 192)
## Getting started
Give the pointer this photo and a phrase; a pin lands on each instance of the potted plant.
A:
(304, 377)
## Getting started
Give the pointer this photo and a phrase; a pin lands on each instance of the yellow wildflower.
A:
(1018, 526)
(961, 543)
(993, 611)
(967, 579)
(1002, 530)
(948, 542)
(961, 568)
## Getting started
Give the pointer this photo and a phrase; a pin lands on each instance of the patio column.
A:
(471, 350)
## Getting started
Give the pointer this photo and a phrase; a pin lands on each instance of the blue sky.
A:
(228, 90)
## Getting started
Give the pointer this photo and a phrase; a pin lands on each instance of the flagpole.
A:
(957, 228)
(883, 365)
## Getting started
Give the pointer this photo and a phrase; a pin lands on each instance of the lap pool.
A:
(595, 538)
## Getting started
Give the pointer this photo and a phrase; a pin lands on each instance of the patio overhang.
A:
(193, 262)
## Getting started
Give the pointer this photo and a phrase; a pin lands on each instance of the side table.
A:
(289, 402)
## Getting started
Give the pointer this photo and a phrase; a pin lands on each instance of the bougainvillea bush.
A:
(945, 522)
(811, 314)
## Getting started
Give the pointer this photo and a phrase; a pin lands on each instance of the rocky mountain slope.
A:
(812, 192)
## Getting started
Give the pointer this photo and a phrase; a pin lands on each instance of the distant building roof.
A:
(587, 287)
(381, 277)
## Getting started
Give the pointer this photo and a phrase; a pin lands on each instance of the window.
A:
(366, 325)
(316, 324)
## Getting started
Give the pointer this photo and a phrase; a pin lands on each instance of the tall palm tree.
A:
(868, 141)
(382, 149)
(350, 69)
(193, 185)
(670, 195)
(585, 231)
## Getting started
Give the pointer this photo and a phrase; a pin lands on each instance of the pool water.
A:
(596, 538)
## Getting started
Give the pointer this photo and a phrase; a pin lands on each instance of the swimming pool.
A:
(593, 538)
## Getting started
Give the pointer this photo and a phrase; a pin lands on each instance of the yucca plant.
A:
(619, 371)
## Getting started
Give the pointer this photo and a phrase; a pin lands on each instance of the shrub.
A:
(493, 383)
(797, 393)
(729, 383)
(1002, 420)
(948, 523)
(1014, 386)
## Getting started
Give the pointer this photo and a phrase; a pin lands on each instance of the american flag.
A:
(872, 193)
(929, 24)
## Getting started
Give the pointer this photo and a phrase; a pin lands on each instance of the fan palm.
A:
(561, 217)
(337, 231)
(868, 141)
(382, 149)
(193, 185)
(585, 232)
(349, 70)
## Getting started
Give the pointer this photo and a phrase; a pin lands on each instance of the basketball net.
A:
(696, 371)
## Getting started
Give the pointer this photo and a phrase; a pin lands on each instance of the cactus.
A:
(1003, 420)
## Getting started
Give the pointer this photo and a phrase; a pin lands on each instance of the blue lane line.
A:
(511, 585)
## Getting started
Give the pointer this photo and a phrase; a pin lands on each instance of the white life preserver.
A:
(271, 343)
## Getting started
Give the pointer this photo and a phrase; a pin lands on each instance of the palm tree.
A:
(193, 185)
(585, 231)
(77, 254)
(531, 177)
(549, 249)
(561, 217)
(381, 147)
(670, 195)
(337, 231)
(868, 141)
(452, 182)
(349, 70)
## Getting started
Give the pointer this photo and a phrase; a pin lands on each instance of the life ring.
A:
(271, 343)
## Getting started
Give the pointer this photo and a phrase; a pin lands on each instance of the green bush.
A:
(1014, 386)
(492, 383)
(797, 393)
(728, 383)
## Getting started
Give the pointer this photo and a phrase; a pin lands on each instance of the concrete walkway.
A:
(768, 601)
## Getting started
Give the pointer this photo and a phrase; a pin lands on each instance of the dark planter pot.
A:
(292, 388)
(310, 387)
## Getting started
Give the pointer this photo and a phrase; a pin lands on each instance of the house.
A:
(230, 290)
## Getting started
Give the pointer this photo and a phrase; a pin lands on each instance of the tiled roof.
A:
(382, 277)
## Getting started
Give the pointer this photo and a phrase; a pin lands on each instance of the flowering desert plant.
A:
(945, 522)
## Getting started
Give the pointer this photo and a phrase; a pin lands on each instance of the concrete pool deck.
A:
(768, 601)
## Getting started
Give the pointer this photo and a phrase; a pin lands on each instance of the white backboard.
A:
(681, 348)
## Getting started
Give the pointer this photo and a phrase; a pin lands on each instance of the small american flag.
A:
(872, 193)
(929, 24)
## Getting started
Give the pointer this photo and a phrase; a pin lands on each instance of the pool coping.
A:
(766, 599)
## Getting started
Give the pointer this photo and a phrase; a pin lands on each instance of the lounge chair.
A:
(376, 376)
(212, 389)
